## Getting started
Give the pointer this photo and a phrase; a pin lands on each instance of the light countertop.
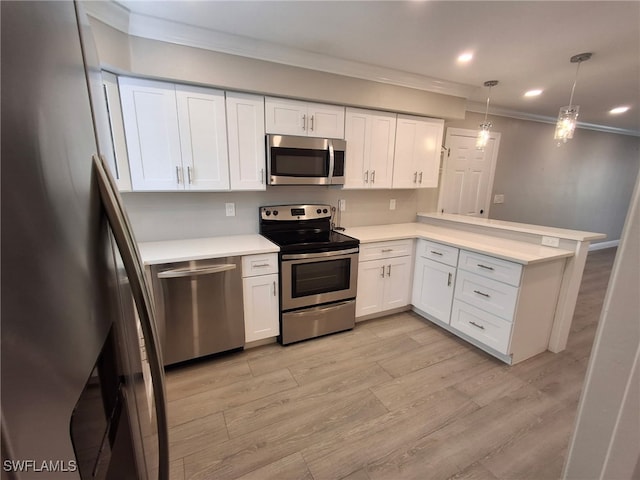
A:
(576, 235)
(199, 248)
(512, 250)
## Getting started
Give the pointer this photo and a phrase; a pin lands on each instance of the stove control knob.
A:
(324, 211)
(275, 213)
(267, 213)
(318, 211)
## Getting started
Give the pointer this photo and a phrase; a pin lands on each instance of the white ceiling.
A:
(523, 44)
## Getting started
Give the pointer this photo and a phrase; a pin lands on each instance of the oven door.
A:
(310, 279)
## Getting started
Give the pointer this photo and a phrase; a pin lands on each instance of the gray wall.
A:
(586, 184)
(170, 216)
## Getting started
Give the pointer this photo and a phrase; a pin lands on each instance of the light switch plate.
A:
(342, 205)
(498, 198)
(230, 209)
(392, 204)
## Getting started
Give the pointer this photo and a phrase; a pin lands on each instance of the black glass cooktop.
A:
(302, 228)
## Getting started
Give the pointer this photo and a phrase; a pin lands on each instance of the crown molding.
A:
(181, 34)
(477, 107)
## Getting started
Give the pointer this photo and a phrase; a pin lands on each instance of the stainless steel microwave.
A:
(295, 160)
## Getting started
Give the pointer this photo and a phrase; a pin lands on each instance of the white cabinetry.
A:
(370, 140)
(116, 150)
(384, 276)
(260, 295)
(245, 131)
(292, 117)
(434, 279)
(500, 306)
(417, 152)
(176, 135)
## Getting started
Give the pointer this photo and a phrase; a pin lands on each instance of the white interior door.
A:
(467, 177)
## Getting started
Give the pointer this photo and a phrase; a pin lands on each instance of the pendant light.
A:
(568, 116)
(483, 132)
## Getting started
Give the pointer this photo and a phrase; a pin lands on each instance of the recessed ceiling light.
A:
(533, 93)
(465, 57)
(619, 110)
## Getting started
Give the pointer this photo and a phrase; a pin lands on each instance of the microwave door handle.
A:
(331, 162)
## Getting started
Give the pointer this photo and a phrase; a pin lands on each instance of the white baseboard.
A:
(603, 245)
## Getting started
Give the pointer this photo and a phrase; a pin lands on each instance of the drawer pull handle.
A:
(436, 253)
(259, 265)
(387, 250)
(485, 267)
(476, 325)
(449, 280)
(482, 293)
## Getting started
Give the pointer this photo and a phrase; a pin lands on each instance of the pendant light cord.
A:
(574, 85)
(487, 109)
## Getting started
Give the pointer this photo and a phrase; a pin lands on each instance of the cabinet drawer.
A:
(494, 332)
(261, 264)
(494, 297)
(438, 252)
(378, 250)
(491, 267)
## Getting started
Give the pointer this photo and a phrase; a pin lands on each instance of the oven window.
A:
(297, 162)
(320, 277)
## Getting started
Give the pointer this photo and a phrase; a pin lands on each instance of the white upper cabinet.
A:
(176, 136)
(153, 137)
(370, 137)
(245, 133)
(203, 138)
(292, 117)
(417, 152)
(116, 150)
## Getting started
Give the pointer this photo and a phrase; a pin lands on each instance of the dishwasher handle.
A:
(192, 272)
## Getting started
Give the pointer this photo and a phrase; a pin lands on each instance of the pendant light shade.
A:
(483, 132)
(568, 116)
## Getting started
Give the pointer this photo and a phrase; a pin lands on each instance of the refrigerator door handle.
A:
(119, 223)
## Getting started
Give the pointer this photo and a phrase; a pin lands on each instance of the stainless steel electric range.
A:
(318, 271)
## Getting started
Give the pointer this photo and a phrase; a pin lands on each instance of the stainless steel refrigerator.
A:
(82, 385)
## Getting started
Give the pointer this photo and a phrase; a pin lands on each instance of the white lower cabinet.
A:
(260, 294)
(433, 288)
(384, 283)
(505, 308)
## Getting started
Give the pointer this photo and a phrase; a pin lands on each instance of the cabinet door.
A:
(261, 310)
(397, 289)
(203, 138)
(116, 149)
(245, 131)
(370, 143)
(325, 121)
(371, 280)
(381, 150)
(153, 137)
(287, 117)
(417, 154)
(357, 132)
(433, 287)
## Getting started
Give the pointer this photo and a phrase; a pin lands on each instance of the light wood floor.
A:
(395, 398)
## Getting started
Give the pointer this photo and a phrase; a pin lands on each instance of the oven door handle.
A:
(335, 253)
(319, 309)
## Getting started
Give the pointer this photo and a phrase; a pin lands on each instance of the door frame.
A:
(465, 132)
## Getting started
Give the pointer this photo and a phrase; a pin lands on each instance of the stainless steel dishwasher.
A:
(199, 307)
